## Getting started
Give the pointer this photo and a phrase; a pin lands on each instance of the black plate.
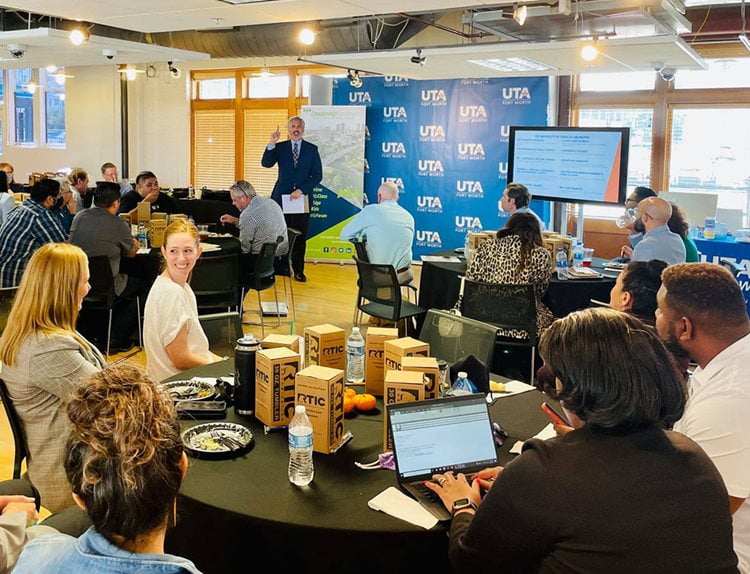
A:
(218, 440)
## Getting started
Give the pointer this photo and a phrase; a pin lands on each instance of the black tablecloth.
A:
(235, 513)
(207, 211)
(439, 285)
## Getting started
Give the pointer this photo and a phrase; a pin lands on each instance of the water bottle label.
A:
(300, 440)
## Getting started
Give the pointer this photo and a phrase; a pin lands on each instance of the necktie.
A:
(295, 152)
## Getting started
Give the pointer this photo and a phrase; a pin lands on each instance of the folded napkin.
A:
(544, 434)
(394, 502)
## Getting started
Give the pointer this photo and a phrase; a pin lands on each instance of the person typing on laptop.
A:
(619, 493)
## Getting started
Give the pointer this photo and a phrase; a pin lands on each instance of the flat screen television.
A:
(578, 165)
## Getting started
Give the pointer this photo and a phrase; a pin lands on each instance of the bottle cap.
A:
(355, 329)
(462, 374)
(300, 409)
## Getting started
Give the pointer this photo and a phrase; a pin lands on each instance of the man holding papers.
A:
(300, 170)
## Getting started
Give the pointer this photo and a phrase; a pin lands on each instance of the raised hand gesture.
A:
(275, 136)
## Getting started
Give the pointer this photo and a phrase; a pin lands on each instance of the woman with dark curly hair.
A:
(618, 494)
(125, 463)
(678, 224)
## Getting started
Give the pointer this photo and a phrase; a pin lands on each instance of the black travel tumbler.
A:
(244, 374)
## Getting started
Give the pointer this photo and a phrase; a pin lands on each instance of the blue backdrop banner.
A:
(445, 145)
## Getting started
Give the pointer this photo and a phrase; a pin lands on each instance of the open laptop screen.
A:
(440, 435)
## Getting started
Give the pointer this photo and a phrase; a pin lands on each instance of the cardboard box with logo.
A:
(374, 357)
(275, 373)
(321, 391)
(404, 347)
(400, 387)
(427, 366)
(325, 345)
(275, 341)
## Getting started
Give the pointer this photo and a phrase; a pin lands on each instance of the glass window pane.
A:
(270, 87)
(724, 73)
(216, 89)
(24, 118)
(23, 77)
(2, 88)
(709, 151)
(620, 82)
(55, 118)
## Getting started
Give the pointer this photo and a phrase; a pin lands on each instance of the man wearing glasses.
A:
(66, 206)
(634, 225)
(658, 241)
(27, 228)
(261, 221)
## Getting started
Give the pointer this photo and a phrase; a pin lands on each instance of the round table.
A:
(439, 285)
(233, 512)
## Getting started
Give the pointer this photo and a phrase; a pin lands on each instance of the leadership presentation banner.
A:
(339, 133)
(444, 143)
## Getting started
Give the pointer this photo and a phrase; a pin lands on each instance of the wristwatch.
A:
(462, 504)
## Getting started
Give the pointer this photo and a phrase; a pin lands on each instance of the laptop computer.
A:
(435, 436)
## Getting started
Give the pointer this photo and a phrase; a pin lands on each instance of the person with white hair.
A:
(389, 231)
(658, 241)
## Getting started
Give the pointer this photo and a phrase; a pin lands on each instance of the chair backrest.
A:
(379, 284)
(733, 267)
(222, 331)
(16, 429)
(452, 337)
(505, 306)
(284, 262)
(264, 262)
(215, 280)
(360, 246)
(102, 282)
(7, 294)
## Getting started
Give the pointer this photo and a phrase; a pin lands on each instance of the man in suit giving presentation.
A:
(300, 170)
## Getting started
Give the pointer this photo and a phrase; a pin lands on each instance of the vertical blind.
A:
(214, 148)
(259, 123)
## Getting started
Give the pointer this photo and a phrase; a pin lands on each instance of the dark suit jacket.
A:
(305, 176)
(163, 203)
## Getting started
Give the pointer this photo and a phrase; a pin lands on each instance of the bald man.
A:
(389, 231)
(658, 241)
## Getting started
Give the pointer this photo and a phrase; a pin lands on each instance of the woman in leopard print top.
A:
(516, 256)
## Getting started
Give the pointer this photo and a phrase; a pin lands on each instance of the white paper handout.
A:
(299, 205)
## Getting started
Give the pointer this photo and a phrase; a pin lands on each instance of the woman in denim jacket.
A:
(125, 463)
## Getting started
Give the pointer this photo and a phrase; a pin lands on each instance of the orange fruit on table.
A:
(349, 392)
(348, 405)
(365, 402)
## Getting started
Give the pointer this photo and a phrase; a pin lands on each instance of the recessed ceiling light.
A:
(512, 65)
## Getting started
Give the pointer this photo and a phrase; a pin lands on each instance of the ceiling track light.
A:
(78, 36)
(590, 51)
(520, 13)
(307, 36)
(354, 80)
(419, 59)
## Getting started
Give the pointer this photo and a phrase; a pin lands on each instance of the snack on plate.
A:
(496, 387)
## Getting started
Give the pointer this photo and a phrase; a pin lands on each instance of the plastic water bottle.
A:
(301, 469)
(562, 264)
(355, 357)
(578, 255)
(142, 236)
(462, 385)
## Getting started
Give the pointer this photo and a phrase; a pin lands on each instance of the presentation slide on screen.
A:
(574, 165)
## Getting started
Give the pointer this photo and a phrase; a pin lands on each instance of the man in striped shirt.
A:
(27, 228)
(261, 221)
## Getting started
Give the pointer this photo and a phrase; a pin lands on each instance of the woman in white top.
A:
(172, 335)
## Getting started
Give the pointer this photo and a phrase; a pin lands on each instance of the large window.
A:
(23, 105)
(54, 108)
(36, 106)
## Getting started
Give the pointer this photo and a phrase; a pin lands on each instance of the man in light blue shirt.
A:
(516, 198)
(658, 242)
(389, 231)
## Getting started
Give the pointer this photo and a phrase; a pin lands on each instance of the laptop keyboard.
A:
(426, 492)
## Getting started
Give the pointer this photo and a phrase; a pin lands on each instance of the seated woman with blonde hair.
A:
(45, 359)
(172, 334)
(126, 463)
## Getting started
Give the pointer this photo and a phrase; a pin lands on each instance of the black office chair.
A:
(732, 266)
(283, 266)
(507, 307)
(360, 248)
(452, 337)
(7, 294)
(380, 294)
(262, 278)
(222, 331)
(15, 426)
(215, 281)
(102, 296)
